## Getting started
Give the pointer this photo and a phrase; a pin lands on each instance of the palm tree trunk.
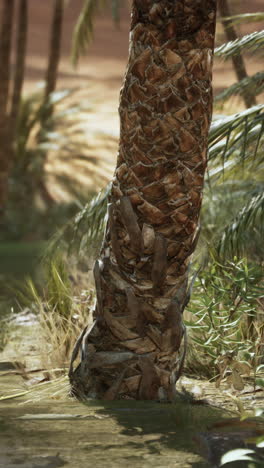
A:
(21, 45)
(55, 51)
(5, 54)
(141, 278)
(238, 61)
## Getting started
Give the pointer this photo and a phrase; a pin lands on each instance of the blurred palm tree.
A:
(54, 56)
(5, 55)
(12, 117)
(19, 73)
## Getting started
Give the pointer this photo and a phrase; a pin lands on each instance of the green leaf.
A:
(253, 85)
(83, 31)
(260, 442)
(260, 382)
(246, 18)
(252, 42)
(238, 129)
(251, 216)
(236, 455)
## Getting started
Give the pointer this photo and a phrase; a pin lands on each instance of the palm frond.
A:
(227, 197)
(246, 18)
(89, 223)
(30, 118)
(83, 31)
(83, 233)
(27, 118)
(253, 42)
(116, 11)
(253, 85)
(237, 234)
(234, 133)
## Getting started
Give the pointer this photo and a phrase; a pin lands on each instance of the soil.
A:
(41, 426)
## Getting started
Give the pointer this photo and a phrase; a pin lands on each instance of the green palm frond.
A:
(225, 199)
(236, 235)
(30, 116)
(83, 233)
(253, 42)
(89, 223)
(83, 32)
(253, 85)
(116, 4)
(246, 18)
(234, 133)
(27, 118)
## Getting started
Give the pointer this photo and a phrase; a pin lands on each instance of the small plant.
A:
(225, 329)
(227, 363)
(58, 290)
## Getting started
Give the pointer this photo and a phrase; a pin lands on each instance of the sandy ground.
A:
(32, 363)
(99, 75)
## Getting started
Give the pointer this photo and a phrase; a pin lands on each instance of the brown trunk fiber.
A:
(54, 54)
(153, 213)
(5, 53)
(238, 61)
(21, 45)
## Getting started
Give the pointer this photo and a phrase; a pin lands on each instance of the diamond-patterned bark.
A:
(153, 225)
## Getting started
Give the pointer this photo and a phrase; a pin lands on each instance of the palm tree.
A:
(54, 53)
(9, 117)
(21, 44)
(141, 277)
(5, 54)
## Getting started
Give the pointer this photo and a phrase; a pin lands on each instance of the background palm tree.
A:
(19, 117)
(154, 204)
(21, 44)
(54, 54)
(9, 114)
(5, 55)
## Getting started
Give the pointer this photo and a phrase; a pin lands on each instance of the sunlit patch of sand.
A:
(88, 156)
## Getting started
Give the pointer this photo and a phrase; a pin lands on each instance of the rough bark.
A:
(5, 53)
(132, 349)
(54, 51)
(237, 60)
(21, 45)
